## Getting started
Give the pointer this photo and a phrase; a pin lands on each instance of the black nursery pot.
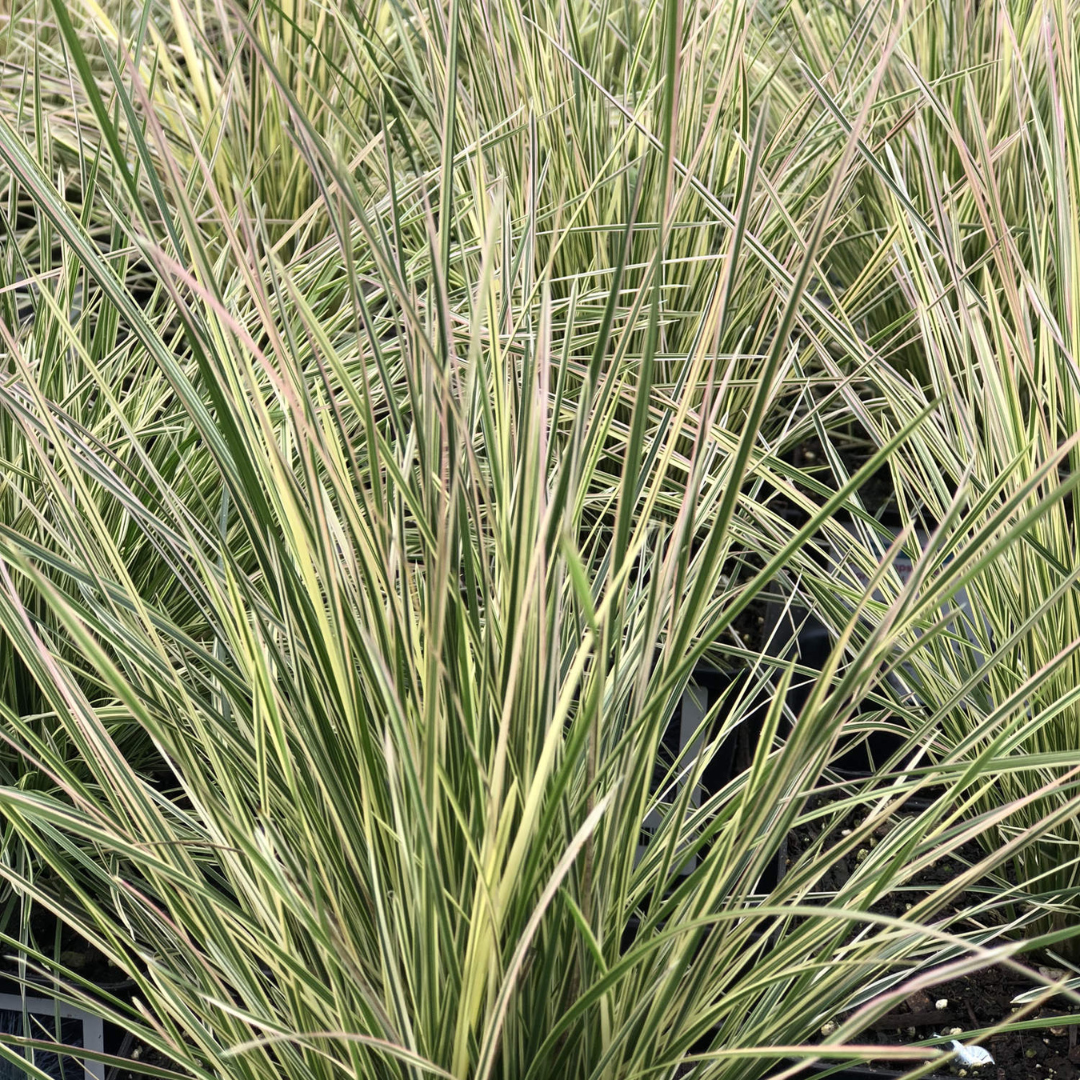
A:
(77, 1027)
(709, 685)
(794, 633)
(797, 635)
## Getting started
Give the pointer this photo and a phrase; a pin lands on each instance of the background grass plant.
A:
(977, 208)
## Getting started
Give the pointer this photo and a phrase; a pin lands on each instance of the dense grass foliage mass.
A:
(400, 401)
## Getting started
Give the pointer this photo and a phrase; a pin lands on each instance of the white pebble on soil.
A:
(972, 1056)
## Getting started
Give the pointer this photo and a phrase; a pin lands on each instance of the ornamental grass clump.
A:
(978, 261)
(422, 423)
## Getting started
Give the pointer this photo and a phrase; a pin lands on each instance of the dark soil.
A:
(980, 1001)
(973, 1003)
(751, 625)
